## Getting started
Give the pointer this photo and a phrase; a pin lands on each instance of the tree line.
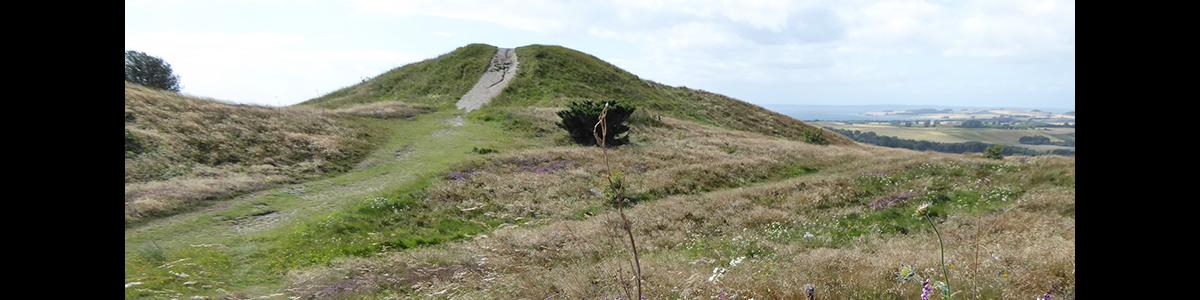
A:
(965, 147)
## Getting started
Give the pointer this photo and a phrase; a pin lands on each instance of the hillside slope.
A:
(438, 81)
(180, 150)
(551, 76)
(495, 206)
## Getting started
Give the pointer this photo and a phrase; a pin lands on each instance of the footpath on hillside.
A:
(499, 73)
(241, 230)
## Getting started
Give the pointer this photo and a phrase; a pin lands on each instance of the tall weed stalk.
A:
(617, 193)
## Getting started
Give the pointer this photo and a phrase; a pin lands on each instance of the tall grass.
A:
(815, 226)
(186, 150)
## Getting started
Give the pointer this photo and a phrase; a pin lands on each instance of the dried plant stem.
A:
(975, 271)
(619, 196)
(620, 270)
(942, 247)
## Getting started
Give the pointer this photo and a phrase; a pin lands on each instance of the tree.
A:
(1034, 140)
(150, 71)
(971, 124)
(580, 118)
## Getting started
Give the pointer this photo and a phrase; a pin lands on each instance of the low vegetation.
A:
(180, 151)
(724, 200)
(436, 82)
(760, 221)
(384, 110)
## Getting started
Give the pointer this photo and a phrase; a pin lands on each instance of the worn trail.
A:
(499, 73)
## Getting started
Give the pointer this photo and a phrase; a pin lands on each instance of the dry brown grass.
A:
(197, 149)
(710, 195)
(385, 110)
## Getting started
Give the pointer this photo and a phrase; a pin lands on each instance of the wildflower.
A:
(944, 289)
(922, 211)
(717, 273)
(736, 261)
(906, 272)
(1044, 297)
(926, 290)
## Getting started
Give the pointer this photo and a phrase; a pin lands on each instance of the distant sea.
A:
(858, 112)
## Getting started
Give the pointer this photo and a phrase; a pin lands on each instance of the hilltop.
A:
(551, 76)
(729, 200)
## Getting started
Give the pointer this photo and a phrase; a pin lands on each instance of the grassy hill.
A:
(729, 199)
(181, 150)
(550, 76)
(437, 81)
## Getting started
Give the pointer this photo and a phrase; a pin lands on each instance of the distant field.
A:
(959, 135)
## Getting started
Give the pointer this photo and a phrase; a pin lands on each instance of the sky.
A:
(1002, 53)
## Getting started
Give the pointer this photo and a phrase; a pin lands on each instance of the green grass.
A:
(551, 76)
(333, 217)
(381, 205)
(951, 189)
(392, 222)
(437, 82)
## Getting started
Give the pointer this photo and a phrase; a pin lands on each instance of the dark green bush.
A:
(815, 136)
(478, 150)
(994, 152)
(580, 118)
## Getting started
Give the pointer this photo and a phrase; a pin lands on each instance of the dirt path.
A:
(499, 73)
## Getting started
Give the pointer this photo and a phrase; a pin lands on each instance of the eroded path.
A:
(499, 73)
(220, 250)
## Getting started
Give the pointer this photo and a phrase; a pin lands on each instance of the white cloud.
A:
(915, 45)
(1013, 29)
(262, 67)
(531, 15)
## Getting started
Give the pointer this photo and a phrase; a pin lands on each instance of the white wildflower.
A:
(717, 273)
(736, 261)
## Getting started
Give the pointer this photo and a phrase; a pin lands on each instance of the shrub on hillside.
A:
(143, 69)
(994, 152)
(815, 136)
(580, 117)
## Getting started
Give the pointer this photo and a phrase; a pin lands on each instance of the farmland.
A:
(949, 134)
